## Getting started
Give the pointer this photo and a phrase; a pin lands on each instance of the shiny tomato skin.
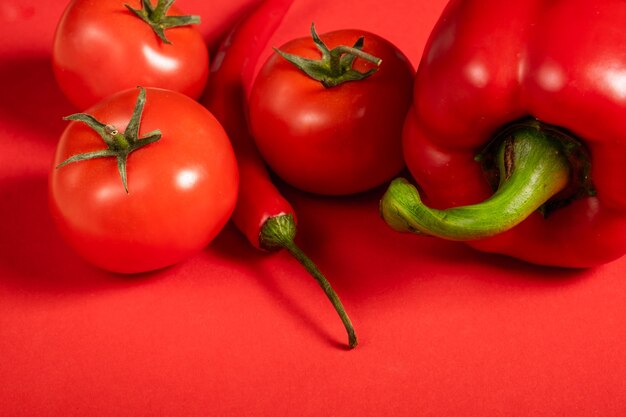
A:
(100, 48)
(182, 188)
(339, 140)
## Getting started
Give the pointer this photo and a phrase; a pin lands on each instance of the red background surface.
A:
(444, 330)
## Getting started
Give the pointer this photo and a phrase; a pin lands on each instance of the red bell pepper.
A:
(517, 135)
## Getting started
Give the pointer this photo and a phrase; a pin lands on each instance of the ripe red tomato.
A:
(337, 140)
(101, 47)
(181, 188)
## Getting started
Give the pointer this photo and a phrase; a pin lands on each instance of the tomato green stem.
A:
(119, 145)
(157, 19)
(278, 232)
(335, 65)
(162, 7)
(118, 140)
(533, 166)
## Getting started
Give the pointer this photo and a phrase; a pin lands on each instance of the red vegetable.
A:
(102, 47)
(274, 23)
(326, 118)
(150, 196)
(540, 102)
(262, 214)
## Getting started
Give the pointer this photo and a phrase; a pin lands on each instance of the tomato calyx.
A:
(119, 145)
(335, 65)
(278, 232)
(156, 17)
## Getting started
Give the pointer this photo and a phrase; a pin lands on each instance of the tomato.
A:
(336, 140)
(182, 188)
(101, 47)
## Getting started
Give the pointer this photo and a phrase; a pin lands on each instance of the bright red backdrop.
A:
(444, 330)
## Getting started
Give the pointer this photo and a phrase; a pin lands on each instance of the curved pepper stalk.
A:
(534, 163)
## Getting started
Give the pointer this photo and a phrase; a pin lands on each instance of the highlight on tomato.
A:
(142, 180)
(105, 46)
(327, 111)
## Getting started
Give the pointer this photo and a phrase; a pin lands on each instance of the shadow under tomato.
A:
(33, 257)
(31, 99)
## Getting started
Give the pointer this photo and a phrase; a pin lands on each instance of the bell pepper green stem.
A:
(278, 232)
(533, 167)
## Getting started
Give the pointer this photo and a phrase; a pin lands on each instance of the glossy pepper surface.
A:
(493, 71)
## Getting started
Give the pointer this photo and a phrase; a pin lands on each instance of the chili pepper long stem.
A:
(278, 233)
(533, 168)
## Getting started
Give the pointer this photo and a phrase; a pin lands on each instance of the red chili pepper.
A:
(517, 133)
(262, 214)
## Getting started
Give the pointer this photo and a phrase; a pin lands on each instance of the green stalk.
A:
(119, 145)
(335, 65)
(534, 166)
(278, 233)
(158, 20)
